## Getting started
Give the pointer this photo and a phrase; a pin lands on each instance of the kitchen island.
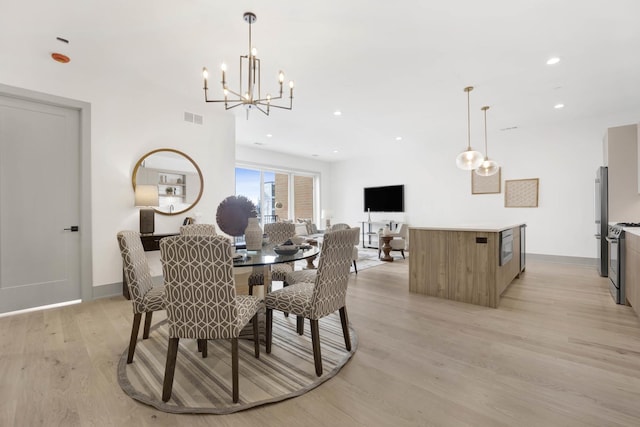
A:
(467, 263)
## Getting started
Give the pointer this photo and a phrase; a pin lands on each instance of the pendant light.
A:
(487, 167)
(469, 159)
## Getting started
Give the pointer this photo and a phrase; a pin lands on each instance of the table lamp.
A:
(146, 196)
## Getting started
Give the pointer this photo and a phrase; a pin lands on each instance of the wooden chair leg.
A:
(300, 325)
(205, 348)
(345, 328)
(268, 331)
(170, 369)
(147, 324)
(234, 368)
(355, 267)
(315, 342)
(250, 289)
(134, 336)
(402, 252)
(256, 336)
(199, 342)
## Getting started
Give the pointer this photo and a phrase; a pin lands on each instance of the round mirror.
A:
(177, 176)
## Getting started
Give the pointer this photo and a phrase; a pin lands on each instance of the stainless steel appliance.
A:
(615, 237)
(506, 246)
(523, 247)
(602, 218)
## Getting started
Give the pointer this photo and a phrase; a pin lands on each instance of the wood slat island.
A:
(464, 263)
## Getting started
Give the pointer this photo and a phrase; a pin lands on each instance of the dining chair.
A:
(316, 300)
(277, 233)
(145, 297)
(201, 300)
(198, 230)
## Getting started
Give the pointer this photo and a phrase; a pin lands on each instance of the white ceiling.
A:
(392, 68)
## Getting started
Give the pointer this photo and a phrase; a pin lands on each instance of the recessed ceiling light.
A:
(258, 143)
(335, 151)
(337, 113)
(398, 138)
(558, 106)
(314, 155)
(553, 61)
(269, 135)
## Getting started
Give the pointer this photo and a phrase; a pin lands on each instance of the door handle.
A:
(72, 228)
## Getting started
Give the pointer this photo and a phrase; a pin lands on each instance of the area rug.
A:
(203, 386)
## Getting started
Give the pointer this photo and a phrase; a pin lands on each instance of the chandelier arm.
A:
(266, 113)
(280, 106)
(226, 107)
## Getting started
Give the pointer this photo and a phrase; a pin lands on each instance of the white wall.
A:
(564, 156)
(130, 119)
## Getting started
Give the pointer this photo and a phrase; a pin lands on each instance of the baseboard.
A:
(592, 262)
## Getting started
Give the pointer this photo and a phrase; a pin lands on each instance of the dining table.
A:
(261, 261)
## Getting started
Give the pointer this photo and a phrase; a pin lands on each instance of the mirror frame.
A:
(134, 174)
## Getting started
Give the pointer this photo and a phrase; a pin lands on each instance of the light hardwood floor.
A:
(557, 352)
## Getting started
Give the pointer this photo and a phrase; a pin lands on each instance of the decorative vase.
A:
(253, 235)
(386, 231)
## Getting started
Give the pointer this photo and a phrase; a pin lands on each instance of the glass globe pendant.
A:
(469, 159)
(487, 167)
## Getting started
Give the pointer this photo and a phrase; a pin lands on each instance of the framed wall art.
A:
(485, 184)
(521, 193)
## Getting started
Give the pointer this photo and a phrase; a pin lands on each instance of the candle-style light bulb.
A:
(281, 77)
(205, 74)
(268, 98)
(254, 52)
(223, 67)
(291, 84)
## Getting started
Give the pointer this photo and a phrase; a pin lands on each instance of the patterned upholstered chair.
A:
(316, 300)
(278, 233)
(198, 230)
(201, 299)
(145, 297)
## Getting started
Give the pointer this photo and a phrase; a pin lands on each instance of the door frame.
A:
(84, 109)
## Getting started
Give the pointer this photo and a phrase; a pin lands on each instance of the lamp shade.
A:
(488, 168)
(469, 159)
(146, 195)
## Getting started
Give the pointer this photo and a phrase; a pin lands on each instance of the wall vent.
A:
(193, 118)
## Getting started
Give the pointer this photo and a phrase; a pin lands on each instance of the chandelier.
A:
(469, 159)
(249, 94)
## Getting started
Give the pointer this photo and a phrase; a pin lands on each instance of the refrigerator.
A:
(602, 219)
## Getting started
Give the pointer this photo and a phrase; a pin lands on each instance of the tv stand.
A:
(370, 232)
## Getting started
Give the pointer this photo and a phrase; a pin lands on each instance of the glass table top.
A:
(267, 256)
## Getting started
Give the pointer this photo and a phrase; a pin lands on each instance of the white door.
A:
(39, 203)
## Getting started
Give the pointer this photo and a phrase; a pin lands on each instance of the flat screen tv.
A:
(384, 199)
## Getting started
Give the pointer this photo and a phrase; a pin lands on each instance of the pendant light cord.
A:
(486, 150)
(468, 89)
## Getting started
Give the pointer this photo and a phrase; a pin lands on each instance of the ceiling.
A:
(394, 69)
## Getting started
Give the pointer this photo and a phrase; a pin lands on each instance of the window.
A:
(278, 195)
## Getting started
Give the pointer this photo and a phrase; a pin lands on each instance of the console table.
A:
(150, 242)
(370, 229)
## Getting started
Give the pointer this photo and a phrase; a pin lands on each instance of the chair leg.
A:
(134, 336)
(199, 342)
(402, 252)
(355, 266)
(268, 332)
(147, 324)
(170, 369)
(345, 328)
(205, 348)
(315, 342)
(250, 289)
(256, 336)
(300, 325)
(234, 368)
